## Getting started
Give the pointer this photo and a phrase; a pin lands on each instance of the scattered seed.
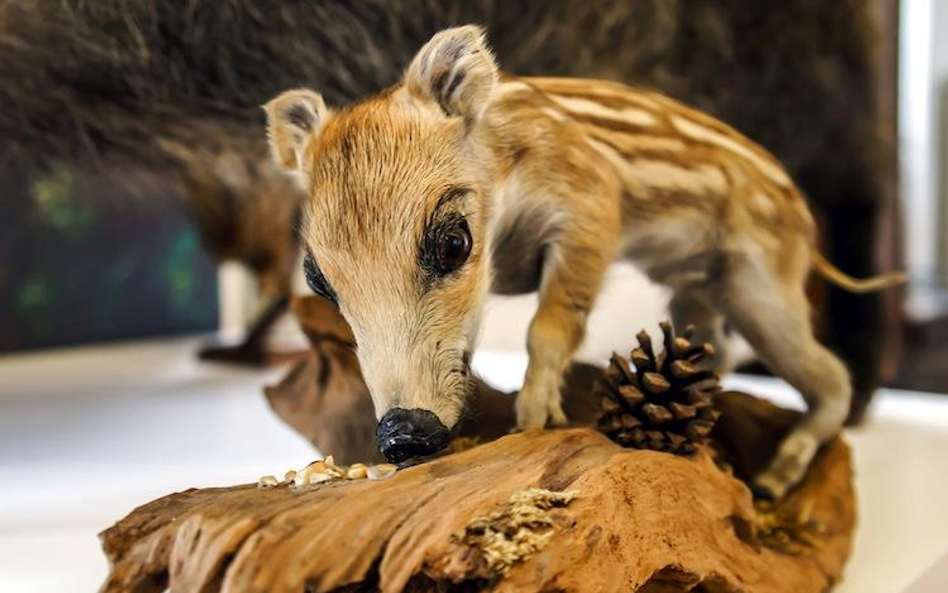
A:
(302, 476)
(320, 477)
(316, 466)
(326, 470)
(357, 472)
(267, 482)
(381, 471)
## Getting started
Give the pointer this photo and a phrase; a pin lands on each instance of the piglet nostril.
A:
(403, 434)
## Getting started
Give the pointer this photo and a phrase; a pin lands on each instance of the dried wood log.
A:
(637, 521)
(563, 510)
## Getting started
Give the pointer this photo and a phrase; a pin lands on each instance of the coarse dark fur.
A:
(83, 78)
(177, 87)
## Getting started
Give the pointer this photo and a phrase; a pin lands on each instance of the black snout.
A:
(403, 434)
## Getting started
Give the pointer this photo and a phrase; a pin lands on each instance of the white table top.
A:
(88, 434)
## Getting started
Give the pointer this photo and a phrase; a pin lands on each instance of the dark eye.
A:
(316, 280)
(453, 248)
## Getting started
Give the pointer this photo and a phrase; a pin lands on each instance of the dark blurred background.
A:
(76, 268)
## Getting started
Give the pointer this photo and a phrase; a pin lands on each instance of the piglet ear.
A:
(293, 119)
(456, 70)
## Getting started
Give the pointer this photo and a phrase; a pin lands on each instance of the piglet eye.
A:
(316, 280)
(453, 249)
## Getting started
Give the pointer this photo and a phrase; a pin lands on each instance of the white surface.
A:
(88, 434)
(627, 302)
(918, 136)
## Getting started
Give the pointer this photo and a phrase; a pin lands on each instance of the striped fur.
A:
(555, 178)
(661, 149)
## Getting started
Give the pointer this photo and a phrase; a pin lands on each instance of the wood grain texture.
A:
(642, 521)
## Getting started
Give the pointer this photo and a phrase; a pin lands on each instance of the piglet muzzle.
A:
(403, 434)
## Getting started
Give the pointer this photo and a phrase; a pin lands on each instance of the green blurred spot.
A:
(120, 270)
(53, 194)
(34, 293)
(36, 304)
(179, 272)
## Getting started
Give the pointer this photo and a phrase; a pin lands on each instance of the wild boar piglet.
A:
(462, 180)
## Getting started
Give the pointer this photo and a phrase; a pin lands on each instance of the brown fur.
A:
(593, 171)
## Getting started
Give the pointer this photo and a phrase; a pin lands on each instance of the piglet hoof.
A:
(762, 491)
(531, 417)
(535, 416)
(788, 467)
(246, 353)
(556, 415)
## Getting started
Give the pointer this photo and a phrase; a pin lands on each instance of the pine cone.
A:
(664, 403)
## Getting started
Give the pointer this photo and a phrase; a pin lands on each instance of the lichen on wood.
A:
(517, 530)
(790, 530)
